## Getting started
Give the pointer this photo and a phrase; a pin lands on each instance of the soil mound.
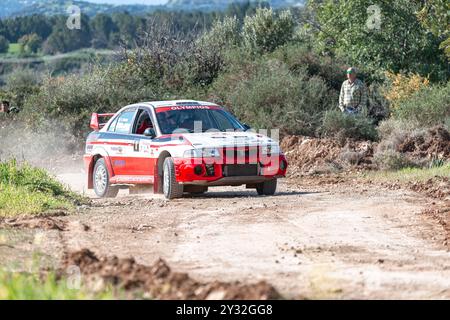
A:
(434, 143)
(308, 155)
(159, 282)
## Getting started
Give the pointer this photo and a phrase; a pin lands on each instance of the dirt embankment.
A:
(160, 282)
(326, 159)
(434, 143)
(308, 155)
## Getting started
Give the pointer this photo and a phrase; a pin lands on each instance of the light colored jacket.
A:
(353, 95)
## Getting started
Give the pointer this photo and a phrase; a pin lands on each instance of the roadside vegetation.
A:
(410, 175)
(24, 286)
(25, 190)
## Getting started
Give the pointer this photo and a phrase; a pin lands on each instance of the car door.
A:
(144, 154)
(121, 143)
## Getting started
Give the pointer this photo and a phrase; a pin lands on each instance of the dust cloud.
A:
(48, 146)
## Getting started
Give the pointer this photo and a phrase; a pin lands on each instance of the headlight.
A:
(202, 153)
(270, 149)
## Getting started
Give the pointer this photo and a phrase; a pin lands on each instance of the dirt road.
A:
(307, 241)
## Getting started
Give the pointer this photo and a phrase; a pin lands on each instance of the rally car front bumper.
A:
(213, 172)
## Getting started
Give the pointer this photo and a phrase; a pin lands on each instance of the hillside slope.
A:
(14, 8)
(53, 7)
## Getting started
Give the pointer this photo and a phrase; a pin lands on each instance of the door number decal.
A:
(136, 145)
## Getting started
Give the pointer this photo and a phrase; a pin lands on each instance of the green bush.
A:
(28, 190)
(266, 94)
(24, 286)
(265, 31)
(377, 104)
(298, 57)
(22, 83)
(34, 179)
(30, 43)
(429, 106)
(392, 160)
(206, 59)
(72, 99)
(343, 126)
(224, 32)
(397, 130)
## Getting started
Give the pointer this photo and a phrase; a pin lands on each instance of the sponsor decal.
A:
(181, 108)
(119, 163)
(145, 147)
(136, 179)
(117, 149)
(190, 108)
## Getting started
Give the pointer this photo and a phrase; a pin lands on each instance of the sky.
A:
(149, 2)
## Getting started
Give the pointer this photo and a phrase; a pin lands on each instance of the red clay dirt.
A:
(160, 282)
(308, 155)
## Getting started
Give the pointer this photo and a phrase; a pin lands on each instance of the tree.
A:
(3, 29)
(379, 35)
(266, 31)
(127, 26)
(64, 40)
(4, 44)
(102, 26)
(30, 43)
(435, 17)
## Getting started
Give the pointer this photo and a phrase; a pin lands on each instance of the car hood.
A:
(228, 139)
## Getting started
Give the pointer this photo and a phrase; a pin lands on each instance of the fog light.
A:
(283, 165)
(198, 170)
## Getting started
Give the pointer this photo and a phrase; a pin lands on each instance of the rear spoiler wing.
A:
(95, 124)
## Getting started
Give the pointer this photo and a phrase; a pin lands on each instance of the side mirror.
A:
(150, 132)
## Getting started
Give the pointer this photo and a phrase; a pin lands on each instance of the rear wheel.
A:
(267, 188)
(102, 187)
(172, 189)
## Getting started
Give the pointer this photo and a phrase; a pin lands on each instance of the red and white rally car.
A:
(177, 147)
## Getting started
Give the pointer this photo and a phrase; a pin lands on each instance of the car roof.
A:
(174, 103)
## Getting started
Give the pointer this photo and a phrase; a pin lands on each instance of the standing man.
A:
(5, 108)
(353, 96)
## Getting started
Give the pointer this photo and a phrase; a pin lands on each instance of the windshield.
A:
(196, 119)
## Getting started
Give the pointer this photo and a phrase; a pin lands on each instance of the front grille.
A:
(240, 170)
(240, 155)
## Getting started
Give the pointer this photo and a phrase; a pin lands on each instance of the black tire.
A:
(171, 188)
(267, 188)
(100, 177)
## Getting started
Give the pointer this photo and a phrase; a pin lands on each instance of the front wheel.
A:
(102, 187)
(172, 189)
(267, 188)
